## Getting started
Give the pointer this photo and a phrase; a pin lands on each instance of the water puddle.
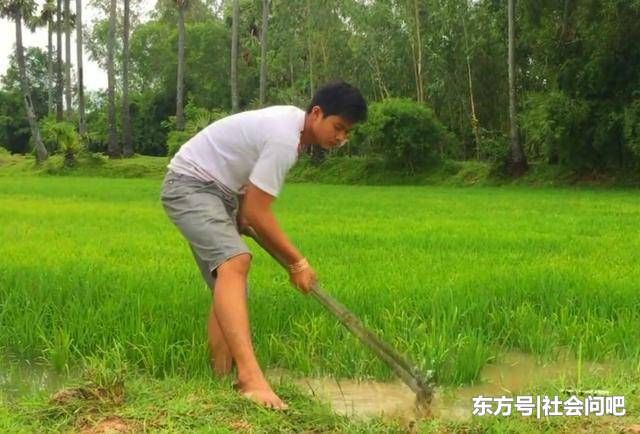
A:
(21, 379)
(515, 373)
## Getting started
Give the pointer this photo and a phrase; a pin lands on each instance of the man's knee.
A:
(238, 265)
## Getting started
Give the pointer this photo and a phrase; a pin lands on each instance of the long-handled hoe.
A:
(420, 383)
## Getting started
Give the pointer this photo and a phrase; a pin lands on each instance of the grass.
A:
(91, 269)
(173, 405)
(337, 170)
(139, 166)
(449, 274)
(107, 398)
(373, 171)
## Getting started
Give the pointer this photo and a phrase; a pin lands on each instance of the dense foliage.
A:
(578, 75)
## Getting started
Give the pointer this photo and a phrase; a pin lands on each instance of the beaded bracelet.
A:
(299, 266)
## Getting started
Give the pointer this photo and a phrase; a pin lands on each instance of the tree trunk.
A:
(180, 84)
(518, 163)
(309, 52)
(59, 84)
(325, 59)
(126, 117)
(475, 124)
(82, 125)
(291, 81)
(41, 151)
(114, 147)
(414, 58)
(263, 52)
(377, 74)
(419, 81)
(565, 20)
(235, 103)
(50, 90)
(312, 87)
(67, 51)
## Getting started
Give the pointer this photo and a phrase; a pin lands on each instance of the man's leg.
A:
(221, 360)
(230, 302)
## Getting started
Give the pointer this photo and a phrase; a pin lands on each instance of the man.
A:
(226, 178)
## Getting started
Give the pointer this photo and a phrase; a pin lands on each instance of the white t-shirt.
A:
(259, 146)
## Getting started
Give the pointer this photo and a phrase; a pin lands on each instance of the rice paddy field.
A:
(99, 290)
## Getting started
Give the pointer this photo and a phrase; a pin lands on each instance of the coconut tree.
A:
(67, 51)
(235, 100)
(182, 6)
(113, 148)
(263, 52)
(81, 121)
(46, 19)
(59, 83)
(126, 117)
(18, 10)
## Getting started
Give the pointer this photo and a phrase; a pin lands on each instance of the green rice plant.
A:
(58, 349)
(451, 277)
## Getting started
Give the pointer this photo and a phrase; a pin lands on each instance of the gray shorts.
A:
(206, 215)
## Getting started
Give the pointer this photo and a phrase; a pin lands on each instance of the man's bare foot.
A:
(261, 393)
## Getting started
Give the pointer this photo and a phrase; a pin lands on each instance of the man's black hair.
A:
(341, 99)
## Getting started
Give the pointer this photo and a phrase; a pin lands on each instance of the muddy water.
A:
(515, 373)
(20, 379)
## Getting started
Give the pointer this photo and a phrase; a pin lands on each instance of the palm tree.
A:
(182, 6)
(67, 50)
(17, 10)
(113, 148)
(126, 117)
(59, 84)
(263, 52)
(82, 126)
(46, 17)
(235, 105)
(518, 163)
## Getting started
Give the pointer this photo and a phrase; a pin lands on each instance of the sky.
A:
(95, 78)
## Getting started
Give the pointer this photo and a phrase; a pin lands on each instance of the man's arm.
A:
(256, 212)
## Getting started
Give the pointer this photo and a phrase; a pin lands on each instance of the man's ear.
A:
(316, 111)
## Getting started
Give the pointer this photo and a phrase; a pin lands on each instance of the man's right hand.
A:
(304, 279)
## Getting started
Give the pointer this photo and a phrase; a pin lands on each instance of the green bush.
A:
(632, 127)
(147, 111)
(554, 128)
(61, 137)
(14, 127)
(405, 133)
(296, 95)
(175, 139)
(607, 137)
(494, 147)
(197, 118)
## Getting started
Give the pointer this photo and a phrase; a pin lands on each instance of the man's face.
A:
(331, 131)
